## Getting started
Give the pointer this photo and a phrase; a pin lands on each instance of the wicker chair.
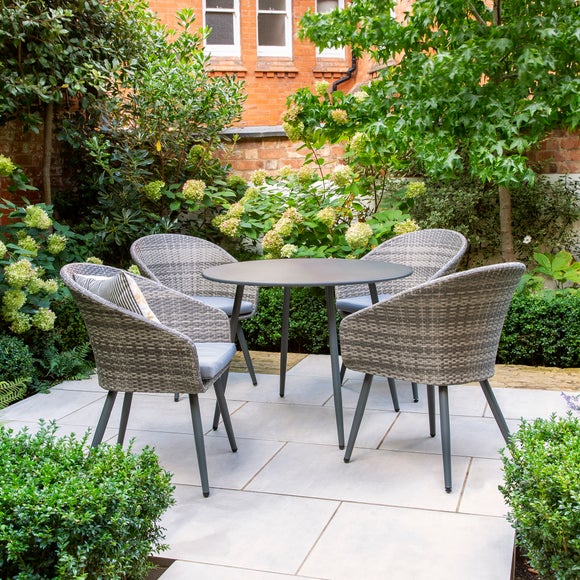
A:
(178, 260)
(431, 253)
(184, 344)
(443, 332)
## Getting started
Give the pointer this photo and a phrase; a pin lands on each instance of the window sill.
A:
(276, 68)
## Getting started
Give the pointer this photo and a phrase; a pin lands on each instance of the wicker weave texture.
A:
(178, 261)
(445, 331)
(431, 253)
(135, 354)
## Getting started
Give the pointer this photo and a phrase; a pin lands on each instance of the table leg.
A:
(235, 317)
(284, 339)
(334, 364)
(374, 293)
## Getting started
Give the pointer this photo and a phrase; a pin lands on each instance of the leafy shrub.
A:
(16, 360)
(12, 391)
(542, 488)
(306, 214)
(542, 330)
(68, 513)
(308, 331)
(543, 215)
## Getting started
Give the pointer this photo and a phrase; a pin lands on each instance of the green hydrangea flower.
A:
(19, 274)
(36, 217)
(358, 143)
(283, 227)
(342, 175)
(29, 244)
(291, 114)
(194, 189)
(415, 189)
(288, 250)
(13, 300)
(272, 242)
(3, 249)
(358, 235)
(153, 190)
(327, 216)
(293, 131)
(56, 244)
(20, 323)
(321, 88)
(285, 172)
(230, 227)
(235, 210)
(94, 260)
(251, 193)
(405, 227)
(43, 319)
(258, 177)
(293, 215)
(339, 116)
(305, 175)
(7, 167)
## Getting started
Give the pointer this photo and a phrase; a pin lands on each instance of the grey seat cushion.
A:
(357, 303)
(225, 304)
(213, 357)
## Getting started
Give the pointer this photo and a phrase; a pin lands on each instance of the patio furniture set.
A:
(406, 315)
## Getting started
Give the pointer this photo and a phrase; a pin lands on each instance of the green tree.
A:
(465, 86)
(56, 52)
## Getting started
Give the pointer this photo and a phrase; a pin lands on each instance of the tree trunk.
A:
(505, 221)
(47, 154)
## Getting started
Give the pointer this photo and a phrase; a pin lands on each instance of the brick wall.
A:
(559, 153)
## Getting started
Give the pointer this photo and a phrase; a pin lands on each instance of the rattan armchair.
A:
(184, 345)
(443, 332)
(431, 253)
(178, 260)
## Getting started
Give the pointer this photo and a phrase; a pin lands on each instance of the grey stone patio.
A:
(286, 505)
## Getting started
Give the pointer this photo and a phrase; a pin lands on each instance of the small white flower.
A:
(527, 240)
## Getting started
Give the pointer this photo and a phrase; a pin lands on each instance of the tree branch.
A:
(476, 14)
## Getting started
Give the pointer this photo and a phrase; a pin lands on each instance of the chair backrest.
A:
(445, 331)
(178, 260)
(431, 253)
(131, 352)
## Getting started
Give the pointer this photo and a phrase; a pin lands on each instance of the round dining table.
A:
(291, 273)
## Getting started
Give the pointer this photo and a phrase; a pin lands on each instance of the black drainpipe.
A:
(346, 77)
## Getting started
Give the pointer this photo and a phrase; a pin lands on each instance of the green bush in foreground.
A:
(68, 513)
(542, 330)
(542, 488)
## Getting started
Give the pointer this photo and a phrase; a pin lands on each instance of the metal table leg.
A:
(284, 339)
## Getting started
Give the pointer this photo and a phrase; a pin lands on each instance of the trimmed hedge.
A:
(542, 331)
(538, 331)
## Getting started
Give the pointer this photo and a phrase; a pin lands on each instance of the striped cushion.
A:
(121, 290)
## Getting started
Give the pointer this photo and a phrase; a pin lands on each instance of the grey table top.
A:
(296, 272)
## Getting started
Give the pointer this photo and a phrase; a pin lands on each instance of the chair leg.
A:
(394, 395)
(431, 407)
(342, 372)
(127, 400)
(415, 392)
(217, 412)
(199, 443)
(244, 346)
(219, 388)
(358, 415)
(176, 397)
(104, 418)
(445, 435)
(495, 409)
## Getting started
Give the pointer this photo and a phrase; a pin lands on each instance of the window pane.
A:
(273, 5)
(323, 6)
(222, 28)
(223, 4)
(271, 30)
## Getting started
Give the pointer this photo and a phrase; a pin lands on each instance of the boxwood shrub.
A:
(542, 330)
(67, 512)
(542, 488)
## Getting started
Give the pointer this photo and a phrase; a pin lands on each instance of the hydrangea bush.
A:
(306, 213)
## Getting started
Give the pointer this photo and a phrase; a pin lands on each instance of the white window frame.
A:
(284, 51)
(231, 50)
(331, 52)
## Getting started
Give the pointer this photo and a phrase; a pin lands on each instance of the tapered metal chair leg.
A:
(358, 415)
(445, 435)
(394, 395)
(127, 400)
(219, 388)
(199, 443)
(342, 372)
(431, 408)
(104, 418)
(495, 409)
(244, 346)
(415, 390)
